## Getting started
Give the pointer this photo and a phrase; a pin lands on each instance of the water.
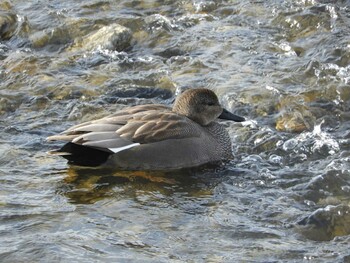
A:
(284, 65)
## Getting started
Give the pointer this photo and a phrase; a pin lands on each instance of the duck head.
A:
(202, 106)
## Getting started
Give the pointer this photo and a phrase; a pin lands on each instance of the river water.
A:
(284, 65)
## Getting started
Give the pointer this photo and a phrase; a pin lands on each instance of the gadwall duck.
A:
(153, 137)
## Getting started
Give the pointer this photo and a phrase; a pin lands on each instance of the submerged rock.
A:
(295, 121)
(112, 37)
(8, 25)
(329, 187)
(7, 105)
(326, 223)
(56, 37)
(294, 115)
(52, 36)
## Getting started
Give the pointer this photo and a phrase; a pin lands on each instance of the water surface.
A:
(284, 65)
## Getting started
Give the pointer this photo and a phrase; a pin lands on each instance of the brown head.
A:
(201, 106)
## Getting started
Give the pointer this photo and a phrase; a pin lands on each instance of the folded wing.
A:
(129, 128)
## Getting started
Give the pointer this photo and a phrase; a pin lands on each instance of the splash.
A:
(323, 139)
(334, 72)
(316, 141)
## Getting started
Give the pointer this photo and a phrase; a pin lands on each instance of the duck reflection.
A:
(88, 185)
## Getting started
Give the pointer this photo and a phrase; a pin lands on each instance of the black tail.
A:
(83, 155)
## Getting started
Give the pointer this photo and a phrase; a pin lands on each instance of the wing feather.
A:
(95, 136)
(154, 126)
(131, 127)
(98, 127)
(111, 143)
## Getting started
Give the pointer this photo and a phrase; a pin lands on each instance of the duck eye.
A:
(210, 103)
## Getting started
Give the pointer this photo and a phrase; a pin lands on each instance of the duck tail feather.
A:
(82, 155)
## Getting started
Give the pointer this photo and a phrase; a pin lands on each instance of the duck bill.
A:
(226, 115)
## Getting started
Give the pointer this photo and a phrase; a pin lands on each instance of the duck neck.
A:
(222, 137)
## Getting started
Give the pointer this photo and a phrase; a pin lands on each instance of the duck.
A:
(153, 136)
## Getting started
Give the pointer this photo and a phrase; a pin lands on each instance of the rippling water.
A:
(284, 65)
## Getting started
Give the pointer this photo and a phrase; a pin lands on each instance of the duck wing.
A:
(154, 126)
(129, 128)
